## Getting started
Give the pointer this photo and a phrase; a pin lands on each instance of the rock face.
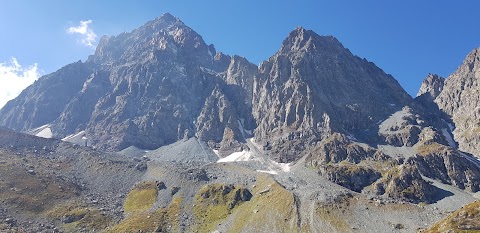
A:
(43, 101)
(460, 99)
(153, 86)
(313, 85)
(442, 163)
(351, 122)
(431, 86)
(405, 183)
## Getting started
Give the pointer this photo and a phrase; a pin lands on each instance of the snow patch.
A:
(246, 133)
(471, 159)
(285, 167)
(451, 127)
(72, 136)
(210, 53)
(268, 171)
(240, 127)
(85, 85)
(79, 138)
(237, 156)
(352, 138)
(45, 133)
(208, 70)
(449, 138)
(216, 152)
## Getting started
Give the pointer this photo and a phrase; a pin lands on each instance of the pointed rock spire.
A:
(431, 86)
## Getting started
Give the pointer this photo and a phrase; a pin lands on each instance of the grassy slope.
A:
(466, 219)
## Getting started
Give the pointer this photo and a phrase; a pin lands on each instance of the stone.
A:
(174, 190)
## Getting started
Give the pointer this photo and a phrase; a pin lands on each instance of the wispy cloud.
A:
(14, 78)
(88, 36)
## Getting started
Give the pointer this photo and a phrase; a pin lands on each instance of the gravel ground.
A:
(188, 165)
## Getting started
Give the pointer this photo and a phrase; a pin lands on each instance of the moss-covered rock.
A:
(159, 220)
(141, 198)
(272, 209)
(351, 176)
(336, 148)
(74, 216)
(404, 183)
(214, 202)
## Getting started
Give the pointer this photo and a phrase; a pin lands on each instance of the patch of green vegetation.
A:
(79, 217)
(140, 222)
(173, 215)
(141, 198)
(432, 148)
(466, 219)
(272, 207)
(160, 220)
(213, 203)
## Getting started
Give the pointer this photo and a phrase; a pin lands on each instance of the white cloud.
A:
(14, 78)
(88, 36)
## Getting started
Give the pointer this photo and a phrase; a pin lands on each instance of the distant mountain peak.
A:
(167, 16)
(432, 86)
(163, 22)
(473, 59)
(301, 38)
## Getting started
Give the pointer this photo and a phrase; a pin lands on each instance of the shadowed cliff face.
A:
(460, 99)
(313, 85)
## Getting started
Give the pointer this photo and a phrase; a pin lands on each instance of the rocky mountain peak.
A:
(313, 77)
(431, 86)
(302, 39)
(459, 99)
(167, 17)
(472, 62)
(160, 23)
(158, 37)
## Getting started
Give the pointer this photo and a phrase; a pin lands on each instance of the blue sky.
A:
(407, 39)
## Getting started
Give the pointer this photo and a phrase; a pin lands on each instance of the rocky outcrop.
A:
(219, 125)
(431, 87)
(239, 88)
(452, 167)
(412, 125)
(74, 117)
(404, 183)
(460, 99)
(312, 78)
(350, 176)
(338, 148)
